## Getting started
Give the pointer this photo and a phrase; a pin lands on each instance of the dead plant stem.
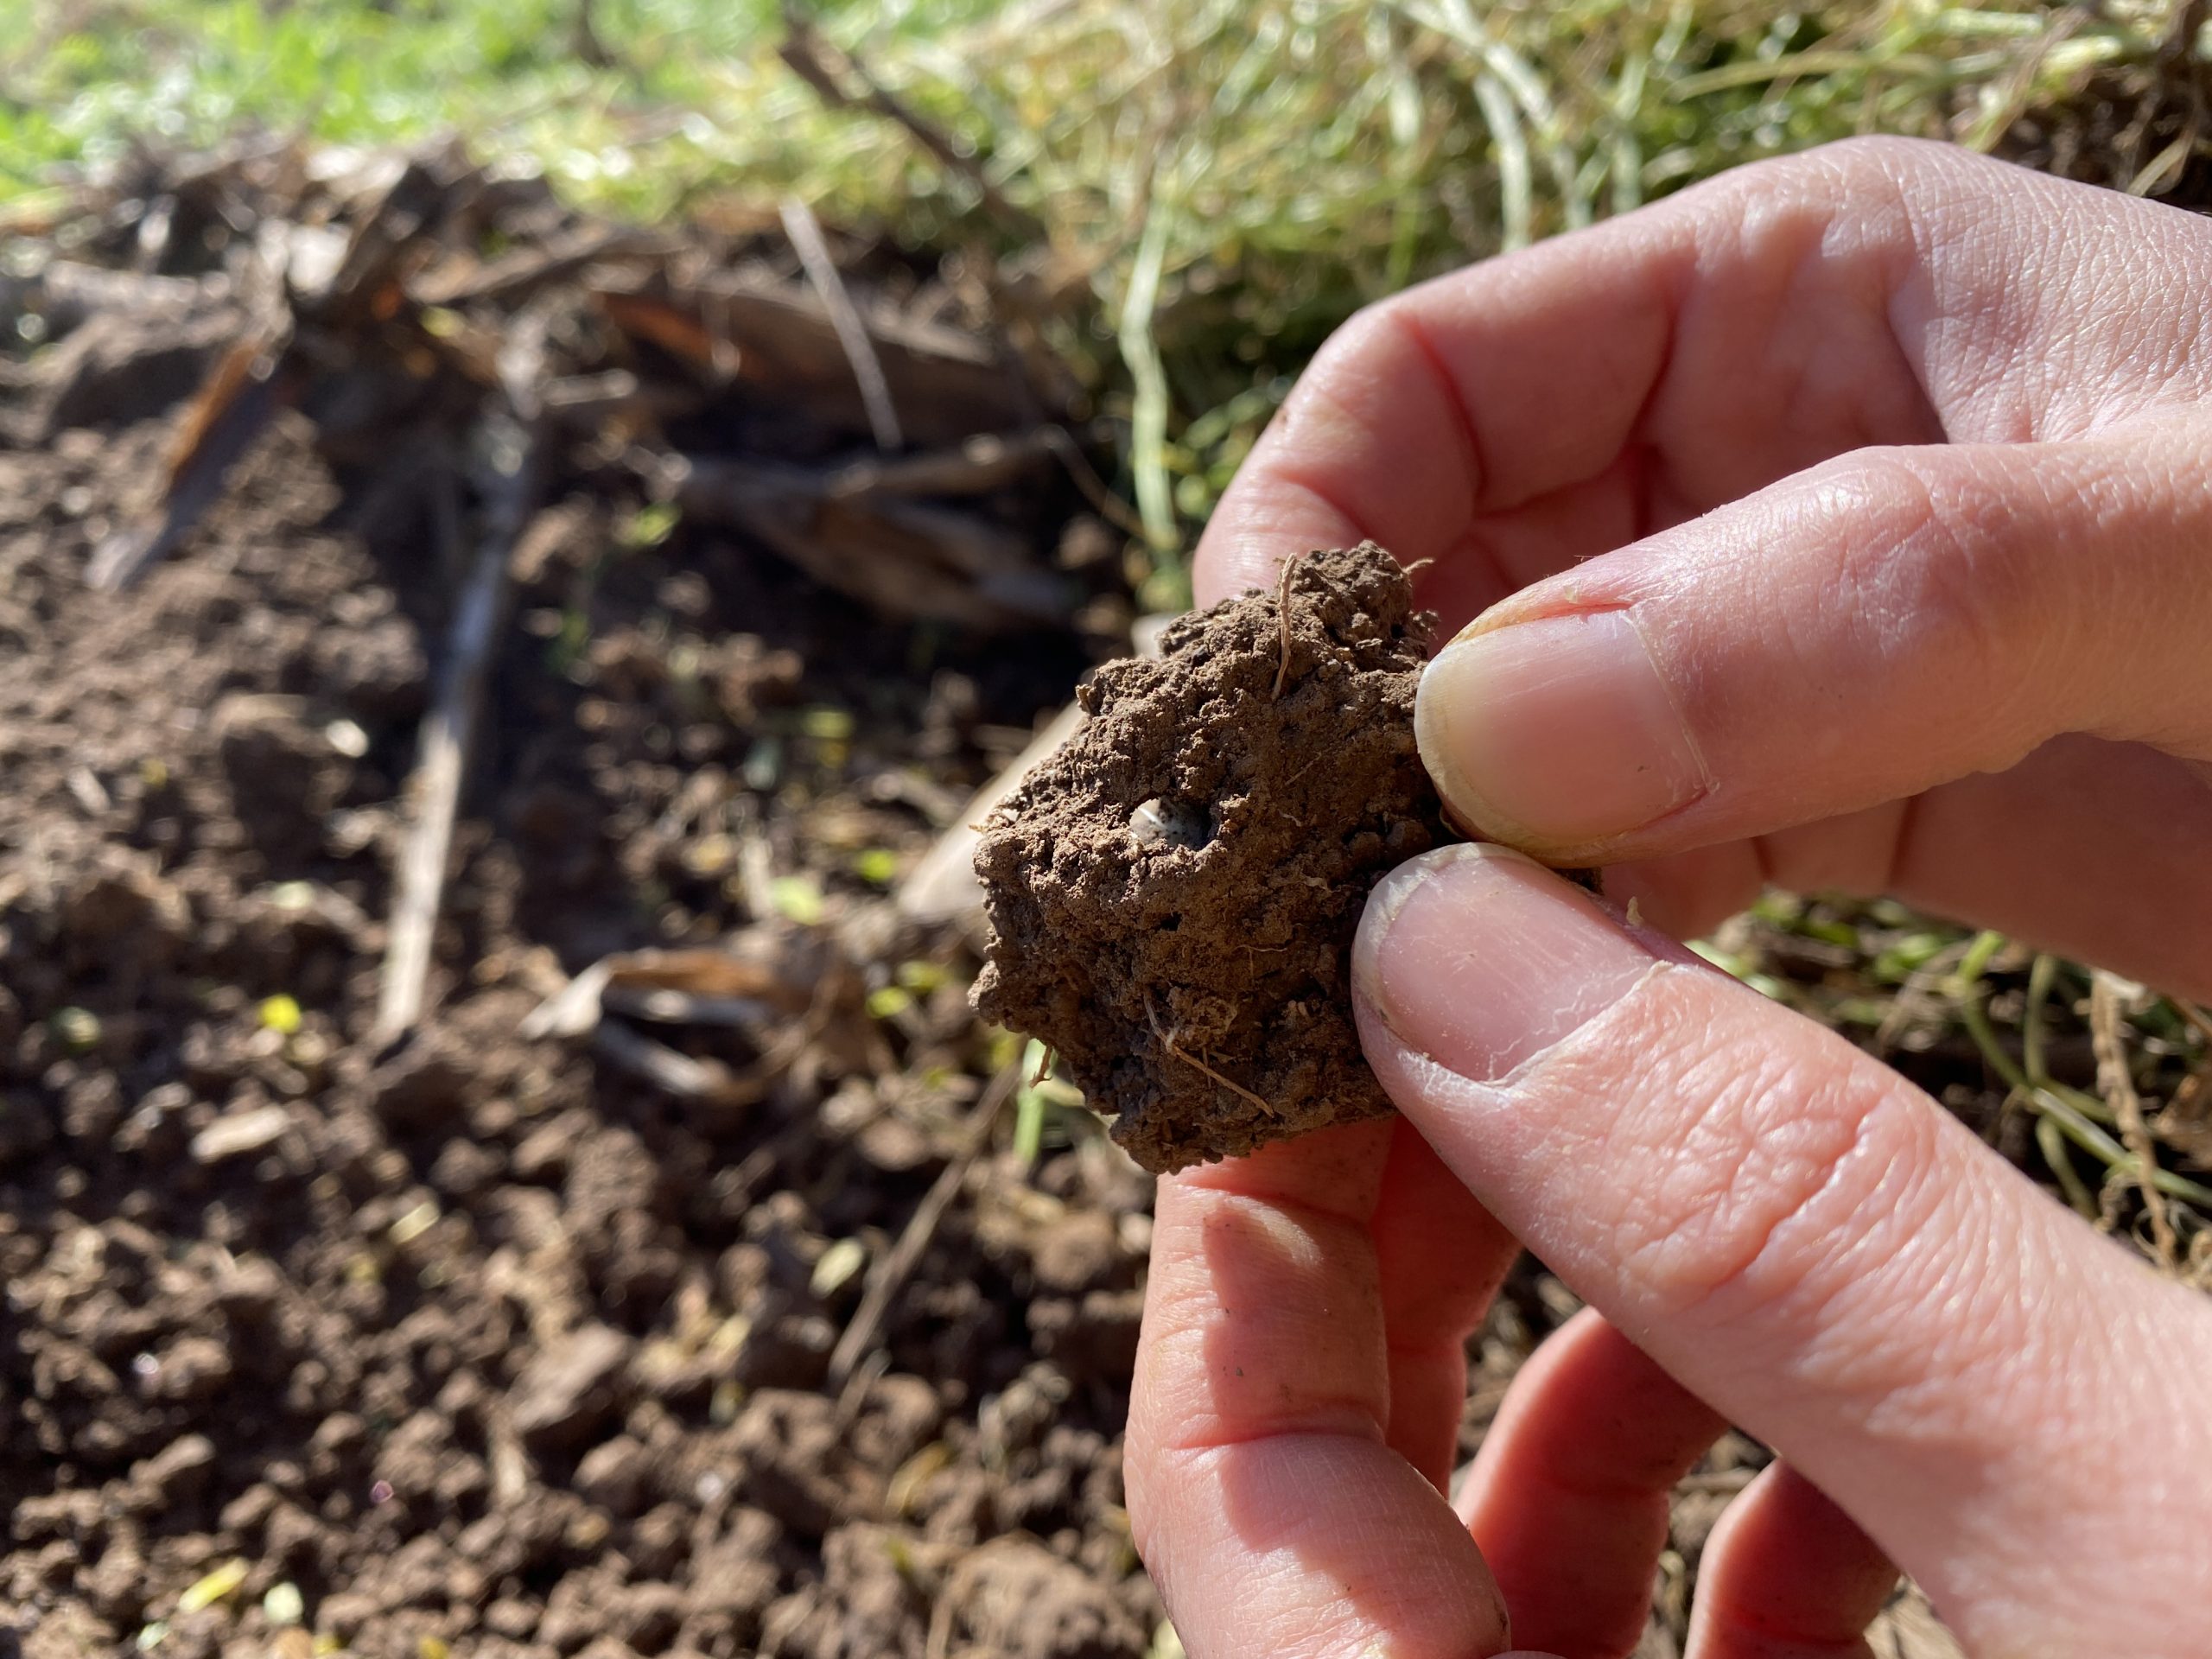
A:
(2127, 1107)
(1282, 622)
(890, 1277)
(829, 283)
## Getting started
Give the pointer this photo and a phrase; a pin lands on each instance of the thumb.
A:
(1813, 1246)
(1853, 635)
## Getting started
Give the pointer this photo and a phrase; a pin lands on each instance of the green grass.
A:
(81, 79)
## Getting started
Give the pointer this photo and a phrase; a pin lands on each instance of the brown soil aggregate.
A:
(1173, 896)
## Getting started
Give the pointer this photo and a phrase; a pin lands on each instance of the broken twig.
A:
(448, 732)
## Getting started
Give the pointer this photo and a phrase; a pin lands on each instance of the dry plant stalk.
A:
(813, 250)
(891, 1275)
(1282, 621)
(449, 733)
(2119, 1091)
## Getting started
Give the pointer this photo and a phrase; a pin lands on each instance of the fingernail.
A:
(1556, 732)
(1482, 959)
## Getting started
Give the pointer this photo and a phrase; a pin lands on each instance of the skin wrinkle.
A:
(1637, 366)
(1910, 606)
(1347, 1419)
(1767, 223)
(1710, 1224)
(1322, 496)
(1550, 1154)
(1955, 589)
(1716, 478)
(1655, 477)
(1251, 1257)
(1344, 370)
(2027, 611)
(2095, 506)
(1208, 1178)
(1204, 1421)
(1475, 470)
(1742, 1266)
(1764, 1186)
(2042, 348)
(1878, 1361)
(1975, 344)
(1691, 1204)
(1633, 364)
(1822, 384)
(2001, 1565)
(1928, 325)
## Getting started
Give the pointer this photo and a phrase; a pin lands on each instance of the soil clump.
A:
(1172, 897)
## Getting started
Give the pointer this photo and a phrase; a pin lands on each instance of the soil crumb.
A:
(1173, 896)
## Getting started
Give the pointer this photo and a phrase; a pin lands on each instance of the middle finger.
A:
(1264, 1494)
(1568, 1499)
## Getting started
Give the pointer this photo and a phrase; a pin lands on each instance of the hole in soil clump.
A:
(1170, 823)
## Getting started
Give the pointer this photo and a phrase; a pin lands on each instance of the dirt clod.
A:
(1173, 896)
(569, 1386)
(1016, 1598)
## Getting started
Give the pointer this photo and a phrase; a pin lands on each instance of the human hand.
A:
(1938, 633)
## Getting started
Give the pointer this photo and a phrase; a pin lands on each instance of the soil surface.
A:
(1173, 896)
(490, 1343)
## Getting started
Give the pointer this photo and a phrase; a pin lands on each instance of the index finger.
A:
(1265, 1497)
(1468, 398)
(1513, 418)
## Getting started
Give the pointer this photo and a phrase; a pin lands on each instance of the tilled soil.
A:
(488, 1346)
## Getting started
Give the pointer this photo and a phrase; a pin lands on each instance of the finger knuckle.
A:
(1357, 359)
(1847, 169)
(1766, 1201)
(1884, 155)
(1947, 577)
